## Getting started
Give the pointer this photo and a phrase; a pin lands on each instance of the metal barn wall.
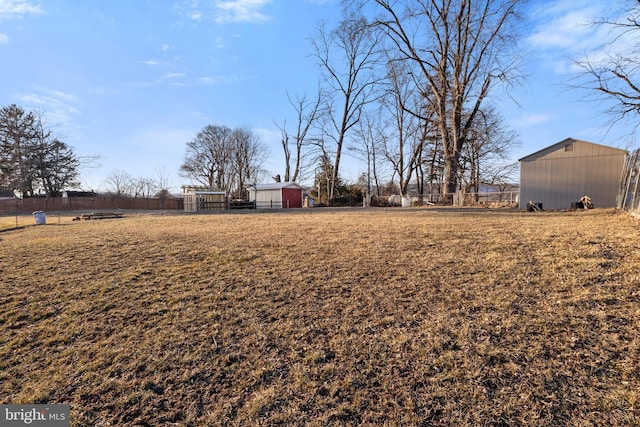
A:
(291, 198)
(557, 176)
(268, 199)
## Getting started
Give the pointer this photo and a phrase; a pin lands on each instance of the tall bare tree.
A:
(485, 158)
(366, 146)
(248, 155)
(348, 56)
(307, 112)
(410, 123)
(461, 48)
(614, 73)
(223, 158)
(207, 156)
(163, 184)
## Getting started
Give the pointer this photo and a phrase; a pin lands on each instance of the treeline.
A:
(406, 87)
(121, 183)
(33, 160)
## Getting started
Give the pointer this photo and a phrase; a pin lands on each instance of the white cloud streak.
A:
(532, 119)
(57, 106)
(565, 25)
(249, 11)
(18, 8)
(219, 79)
(174, 75)
(4, 38)
(563, 32)
(223, 11)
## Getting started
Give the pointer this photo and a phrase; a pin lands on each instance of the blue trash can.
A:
(40, 217)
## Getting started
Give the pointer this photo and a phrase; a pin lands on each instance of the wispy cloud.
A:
(4, 38)
(223, 11)
(563, 31)
(58, 107)
(564, 24)
(217, 79)
(18, 8)
(532, 119)
(174, 75)
(241, 11)
(151, 63)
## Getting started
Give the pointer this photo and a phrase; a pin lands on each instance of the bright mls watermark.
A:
(34, 415)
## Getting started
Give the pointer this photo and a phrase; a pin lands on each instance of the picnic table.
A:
(102, 215)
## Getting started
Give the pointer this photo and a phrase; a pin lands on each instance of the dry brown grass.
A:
(13, 221)
(326, 317)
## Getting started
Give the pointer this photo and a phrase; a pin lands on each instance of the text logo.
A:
(34, 415)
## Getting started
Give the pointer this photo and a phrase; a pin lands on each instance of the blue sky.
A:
(133, 80)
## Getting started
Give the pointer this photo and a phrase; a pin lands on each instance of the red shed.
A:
(276, 195)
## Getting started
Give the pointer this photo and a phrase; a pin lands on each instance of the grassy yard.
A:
(13, 221)
(326, 317)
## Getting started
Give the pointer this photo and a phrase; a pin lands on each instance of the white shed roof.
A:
(276, 186)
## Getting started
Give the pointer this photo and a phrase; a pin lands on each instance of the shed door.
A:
(291, 198)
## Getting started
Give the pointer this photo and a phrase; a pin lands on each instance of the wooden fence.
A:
(92, 204)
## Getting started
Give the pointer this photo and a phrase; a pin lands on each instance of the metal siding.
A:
(524, 178)
(291, 198)
(545, 189)
(532, 176)
(556, 178)
(269, 198)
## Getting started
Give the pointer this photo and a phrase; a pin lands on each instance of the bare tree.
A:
(614, 73)
(144, 187)
(225, 159)
(365, 145)
(348, 56)
(120, 183)
(207, 156)
(461, 48)
(411, 123)
(307, 112)
(163, 183)
(248, 156)
(162, 178)
(485, 158)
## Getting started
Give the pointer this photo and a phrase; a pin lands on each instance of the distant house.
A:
(198, 199)
(276, 195)
(562, 173)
